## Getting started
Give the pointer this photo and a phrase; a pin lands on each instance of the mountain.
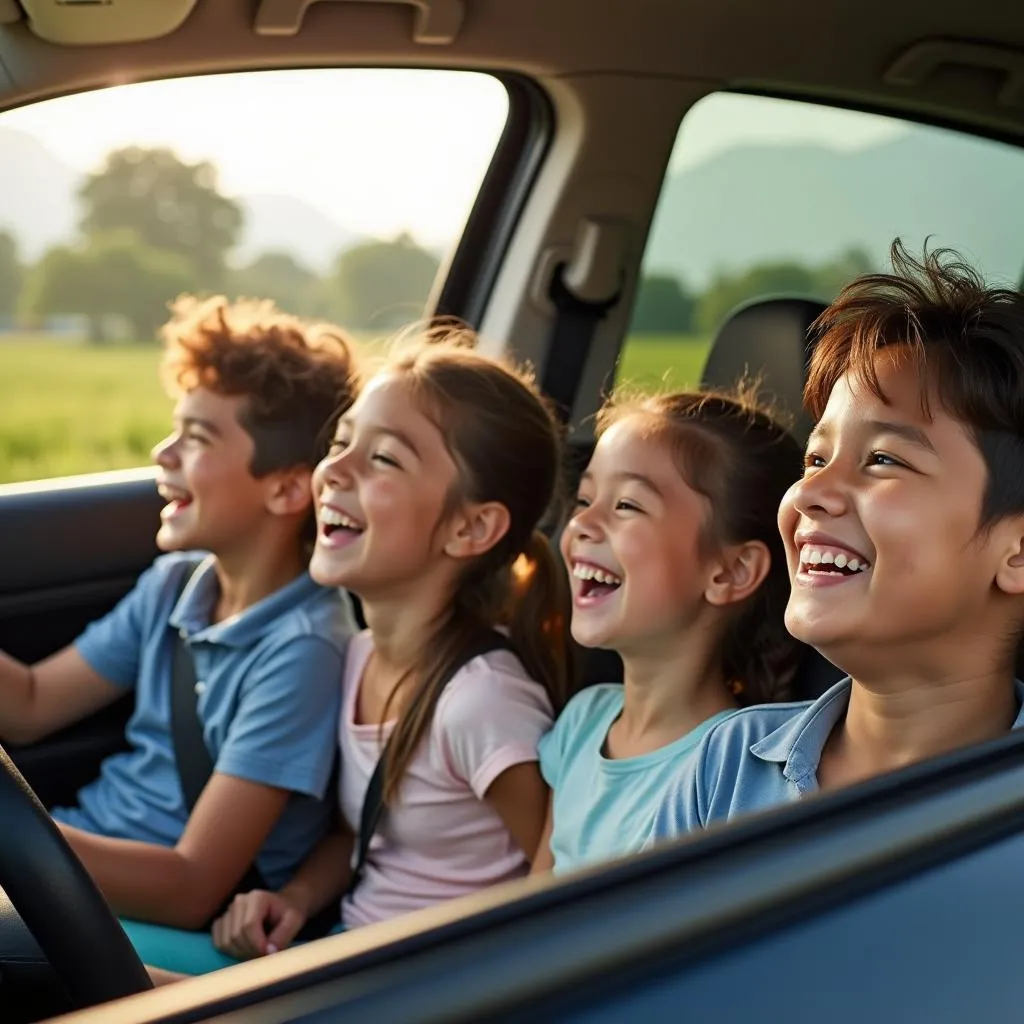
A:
(37, 194)
(809, 203)
(38, 205)
(744, 205)
(284, 223)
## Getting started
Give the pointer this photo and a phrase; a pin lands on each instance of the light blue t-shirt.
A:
(603, 808)
(762, 757)
(269, 688)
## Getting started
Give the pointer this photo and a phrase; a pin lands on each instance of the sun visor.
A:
(99, 22)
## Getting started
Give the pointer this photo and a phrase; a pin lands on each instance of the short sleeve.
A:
(489, 720)
(285, 730)
(112, 645)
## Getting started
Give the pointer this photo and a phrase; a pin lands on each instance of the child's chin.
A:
(172, 540)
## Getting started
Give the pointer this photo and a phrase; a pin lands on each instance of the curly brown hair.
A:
(297, 376)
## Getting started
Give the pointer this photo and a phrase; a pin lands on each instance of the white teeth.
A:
(332, 517)
(822, 556)
(590, 572)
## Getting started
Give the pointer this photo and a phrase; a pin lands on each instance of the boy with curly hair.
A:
(257, 392)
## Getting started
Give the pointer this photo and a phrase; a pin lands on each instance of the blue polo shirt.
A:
(758, 758)
(268, 684)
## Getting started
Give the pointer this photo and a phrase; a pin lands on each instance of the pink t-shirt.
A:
(441, 840)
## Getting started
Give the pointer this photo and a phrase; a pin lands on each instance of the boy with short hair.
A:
(905, 542)
(257, 392)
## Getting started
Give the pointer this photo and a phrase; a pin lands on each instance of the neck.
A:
(402, 624)
(670, 688)
(911, 719)
(247, 577)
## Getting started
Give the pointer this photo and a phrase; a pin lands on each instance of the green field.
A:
(68, 408)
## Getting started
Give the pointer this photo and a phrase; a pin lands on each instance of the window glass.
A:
(767, 197)
(311, 188)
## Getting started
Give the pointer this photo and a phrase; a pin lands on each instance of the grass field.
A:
(68, 408)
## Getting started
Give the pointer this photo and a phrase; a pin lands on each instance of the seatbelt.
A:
(373, 801)
(576, 323)
(195, 766)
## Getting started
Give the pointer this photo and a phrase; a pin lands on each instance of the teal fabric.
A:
(180, 951)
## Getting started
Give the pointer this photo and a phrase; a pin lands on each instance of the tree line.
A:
(152, 226)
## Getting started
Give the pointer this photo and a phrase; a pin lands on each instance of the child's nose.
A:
(165, 452)
(820, 493)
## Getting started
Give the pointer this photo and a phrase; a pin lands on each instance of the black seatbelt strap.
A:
(192, 756)
(373, 801)
(576, 323)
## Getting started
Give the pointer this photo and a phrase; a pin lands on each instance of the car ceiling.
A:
(831, 50)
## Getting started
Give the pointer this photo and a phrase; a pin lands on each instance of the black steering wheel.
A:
(59, 902)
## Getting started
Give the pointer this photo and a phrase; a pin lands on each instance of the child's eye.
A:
(625, 505)
(386, 460)
(882, 459)
(813, 461)
(195, 435)
(581, 503)
(338, 445)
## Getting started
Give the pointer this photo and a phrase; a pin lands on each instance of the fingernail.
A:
(271, 948)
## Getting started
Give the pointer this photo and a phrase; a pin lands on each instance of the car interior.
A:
(570, 205)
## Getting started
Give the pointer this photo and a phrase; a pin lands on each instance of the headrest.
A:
(768, 339)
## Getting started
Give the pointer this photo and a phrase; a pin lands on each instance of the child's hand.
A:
(257, 923)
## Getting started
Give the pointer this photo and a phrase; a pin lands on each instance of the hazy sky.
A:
(378, 151)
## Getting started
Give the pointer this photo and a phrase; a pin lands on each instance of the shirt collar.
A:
(798, 744)
(194, 609)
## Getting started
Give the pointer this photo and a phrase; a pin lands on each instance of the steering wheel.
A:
(59, 902)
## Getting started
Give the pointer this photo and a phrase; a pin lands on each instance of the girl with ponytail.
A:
(677, 564)
(427, 506)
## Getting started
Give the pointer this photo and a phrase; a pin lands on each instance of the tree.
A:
(281, 277)
(727, 291)
(169, 204)
(112, 274)
(11, 273)
(382, 285)
(663, 306)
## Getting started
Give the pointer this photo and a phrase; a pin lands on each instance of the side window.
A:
(316, 189)
(767, 197)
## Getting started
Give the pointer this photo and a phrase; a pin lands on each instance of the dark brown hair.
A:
(507, 447)
(297, 377)
(967, 341)
(731, 450)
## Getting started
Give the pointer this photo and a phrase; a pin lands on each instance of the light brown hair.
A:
(506, 445)
(967, 341)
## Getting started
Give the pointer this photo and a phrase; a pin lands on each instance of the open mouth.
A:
(177, 501)
(595, 583)
(818, 560)
(336, 525)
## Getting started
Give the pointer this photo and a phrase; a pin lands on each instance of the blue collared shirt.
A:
(268, 685)
(759, 757)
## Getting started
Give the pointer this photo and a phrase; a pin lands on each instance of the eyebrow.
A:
(637, 478)
(401, 437)
(912, 435)
(207, 425)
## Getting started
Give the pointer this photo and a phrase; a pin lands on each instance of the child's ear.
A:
(739, 570)
(1010, 573)
(476, 528)
(289, 491)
